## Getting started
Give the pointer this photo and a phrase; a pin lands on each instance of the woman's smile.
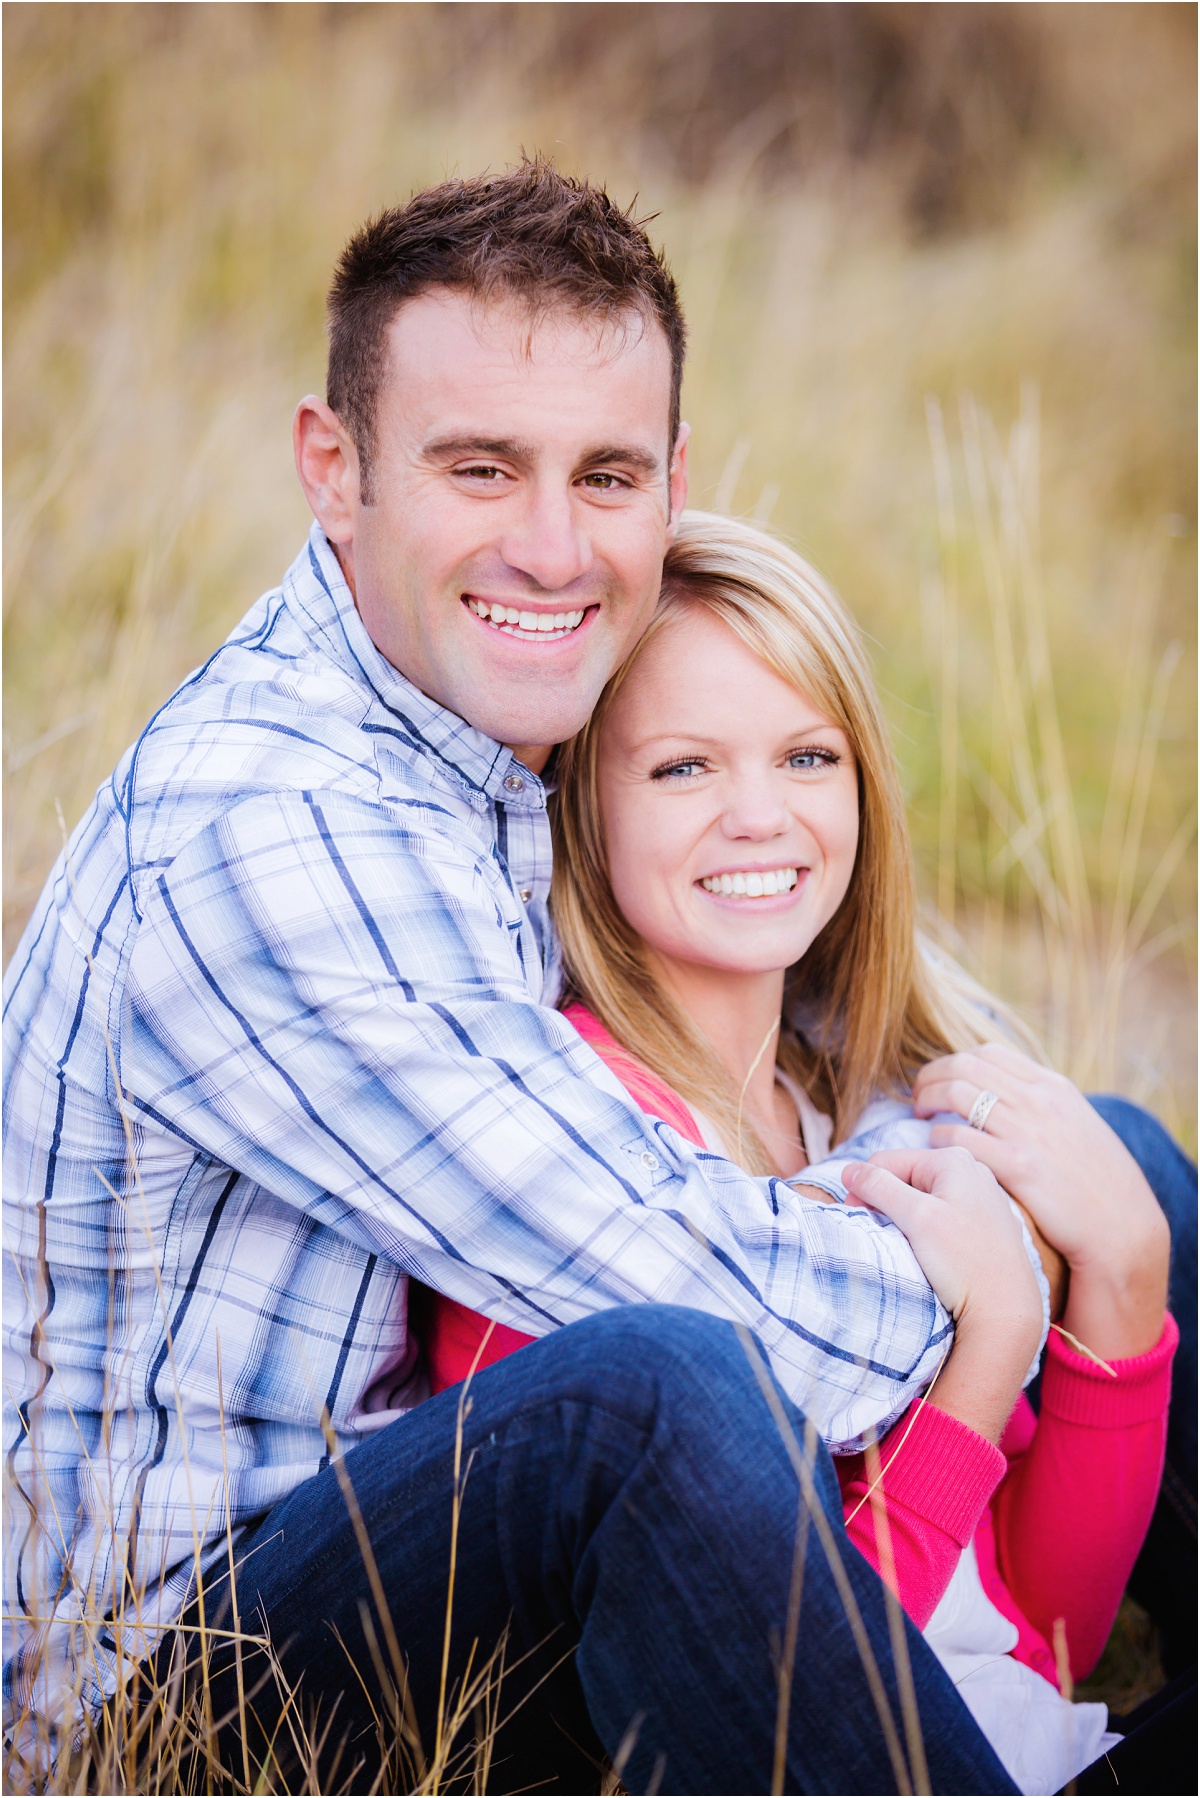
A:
(753, 884)
(729, 801)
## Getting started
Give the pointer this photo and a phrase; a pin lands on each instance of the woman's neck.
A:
(739, 1015)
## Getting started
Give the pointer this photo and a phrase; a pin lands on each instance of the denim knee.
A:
(687, 1377)
(1170, 1173)
(695, 1350)
(1147, 1140)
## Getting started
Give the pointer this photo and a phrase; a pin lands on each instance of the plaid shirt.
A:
(281, 1034)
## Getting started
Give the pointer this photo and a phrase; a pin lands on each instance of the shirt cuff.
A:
(1079, 1391)
(946, 1472)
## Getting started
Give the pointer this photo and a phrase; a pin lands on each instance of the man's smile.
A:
(526, 623)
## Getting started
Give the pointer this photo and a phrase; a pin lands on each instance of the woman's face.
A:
(730, 803)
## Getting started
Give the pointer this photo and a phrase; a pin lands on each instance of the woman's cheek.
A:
(644, 871)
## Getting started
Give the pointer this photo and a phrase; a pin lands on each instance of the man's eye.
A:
(483, 471)
(602, 482)
(678, 770)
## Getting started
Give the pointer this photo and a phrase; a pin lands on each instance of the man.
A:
(281, 1035)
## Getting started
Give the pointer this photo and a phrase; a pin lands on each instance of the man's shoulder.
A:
(275, 711)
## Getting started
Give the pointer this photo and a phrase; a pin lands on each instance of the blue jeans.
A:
(1164, 1579)
(629, 1518)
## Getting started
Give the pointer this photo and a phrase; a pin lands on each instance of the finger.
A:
(927, 1170)
(983, 1064)
(965, 1064)
(882, 1190)
(961, 1096)
(1014, 1062)
(986, 1149)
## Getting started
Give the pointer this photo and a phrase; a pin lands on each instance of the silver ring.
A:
(981, 1111)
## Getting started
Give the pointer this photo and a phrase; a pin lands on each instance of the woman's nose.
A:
(546, 540)
(755, 811)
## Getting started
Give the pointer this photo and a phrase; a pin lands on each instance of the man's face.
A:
(524, 495)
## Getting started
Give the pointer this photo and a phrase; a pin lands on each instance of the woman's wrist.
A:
(1115, 1316)
(1116, 1303)
(983, 1376)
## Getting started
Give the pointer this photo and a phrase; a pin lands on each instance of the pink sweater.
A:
(1058, 1512)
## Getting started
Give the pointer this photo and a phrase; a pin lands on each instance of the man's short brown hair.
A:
(532, 232)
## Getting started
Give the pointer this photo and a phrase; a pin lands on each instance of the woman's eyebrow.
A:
(684, 740)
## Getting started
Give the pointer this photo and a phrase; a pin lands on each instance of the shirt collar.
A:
(322, 595)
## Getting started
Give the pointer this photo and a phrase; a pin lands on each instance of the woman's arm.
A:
(1073, 1511)
(937, 1477)
(1058, 1158)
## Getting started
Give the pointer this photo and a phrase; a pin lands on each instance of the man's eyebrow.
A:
(509, 449)
(516, 449)
(628, 455)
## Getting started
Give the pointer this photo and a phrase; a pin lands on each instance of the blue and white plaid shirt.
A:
(281, 1034)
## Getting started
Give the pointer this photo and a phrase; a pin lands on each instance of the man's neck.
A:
(532, 757)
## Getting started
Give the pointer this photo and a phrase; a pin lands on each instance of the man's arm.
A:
(330, 1002)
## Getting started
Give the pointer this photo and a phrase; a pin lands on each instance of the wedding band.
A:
(981, 1111)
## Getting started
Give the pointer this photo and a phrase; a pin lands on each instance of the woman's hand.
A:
(968, 1241)
(1058, 1158)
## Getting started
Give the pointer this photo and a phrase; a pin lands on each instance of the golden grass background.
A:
(938, 263)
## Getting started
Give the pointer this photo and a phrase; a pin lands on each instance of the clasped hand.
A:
(1076, 1180)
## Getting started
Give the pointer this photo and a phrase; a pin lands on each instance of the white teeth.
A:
(533, 624)
(753, 886)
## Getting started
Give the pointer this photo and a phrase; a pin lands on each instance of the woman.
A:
(734, 898)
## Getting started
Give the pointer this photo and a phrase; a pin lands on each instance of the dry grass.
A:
(942, 328)
(177, 189)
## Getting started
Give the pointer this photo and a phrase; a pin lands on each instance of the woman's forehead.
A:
(697, 675)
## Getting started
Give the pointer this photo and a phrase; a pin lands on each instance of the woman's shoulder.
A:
(640, 1082)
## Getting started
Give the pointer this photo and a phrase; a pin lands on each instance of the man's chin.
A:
(529, 724)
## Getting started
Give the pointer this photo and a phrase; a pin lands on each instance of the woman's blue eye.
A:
(812, 758)
(682, 770)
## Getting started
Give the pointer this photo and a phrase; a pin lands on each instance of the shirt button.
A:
(648, 1160)
(526, 894)
(513, 783)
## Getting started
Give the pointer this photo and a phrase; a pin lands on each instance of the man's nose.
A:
(547, 540)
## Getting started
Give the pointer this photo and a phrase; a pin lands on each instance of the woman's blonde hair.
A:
(866, 1006)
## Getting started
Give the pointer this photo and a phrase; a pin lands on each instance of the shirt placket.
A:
(525, 835)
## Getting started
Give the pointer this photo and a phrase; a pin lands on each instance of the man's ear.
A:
(678, 480)
(327, 463)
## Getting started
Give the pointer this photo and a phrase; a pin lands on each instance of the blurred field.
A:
(939, 268)
(939, 265)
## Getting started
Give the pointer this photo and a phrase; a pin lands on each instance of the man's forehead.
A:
(511, 337)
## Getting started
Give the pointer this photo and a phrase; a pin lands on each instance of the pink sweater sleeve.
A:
(938, 1476)
(1075, 1506)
